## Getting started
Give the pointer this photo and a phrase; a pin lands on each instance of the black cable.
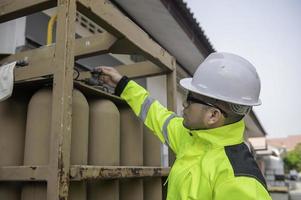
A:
(77, 76)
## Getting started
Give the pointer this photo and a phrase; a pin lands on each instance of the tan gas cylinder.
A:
(12, 133)
(131, 153)
(104, 147)
(37, 140)
(151, 157)
(79, 142)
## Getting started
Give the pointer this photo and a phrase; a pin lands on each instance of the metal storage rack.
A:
(122, 36)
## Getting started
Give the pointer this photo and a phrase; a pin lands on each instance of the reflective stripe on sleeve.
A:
(164, 129)
(145, 107)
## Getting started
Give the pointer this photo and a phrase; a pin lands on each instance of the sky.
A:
(268, 34)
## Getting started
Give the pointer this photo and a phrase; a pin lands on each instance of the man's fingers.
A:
(109, 75)
(106, 70)
(104, 78)
(102, 69)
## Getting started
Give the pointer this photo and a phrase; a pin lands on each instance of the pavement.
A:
(295, 194)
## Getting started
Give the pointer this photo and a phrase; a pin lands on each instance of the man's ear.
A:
(214, 116)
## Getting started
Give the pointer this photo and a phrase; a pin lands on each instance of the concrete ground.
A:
(279, 196)
(295, 193)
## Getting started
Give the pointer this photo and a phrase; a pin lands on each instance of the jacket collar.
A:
(222, 136)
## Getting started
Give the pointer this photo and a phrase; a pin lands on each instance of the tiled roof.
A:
(288, 142)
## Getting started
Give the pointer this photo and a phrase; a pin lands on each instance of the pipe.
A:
(50, 29)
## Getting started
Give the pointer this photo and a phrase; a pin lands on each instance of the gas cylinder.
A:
(104, 146)
(37, 140)
(12, 133)
(151, 157)
(79, 142)
(131, 152)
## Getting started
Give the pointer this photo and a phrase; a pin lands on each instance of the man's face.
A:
(194, 114)
(199, 113)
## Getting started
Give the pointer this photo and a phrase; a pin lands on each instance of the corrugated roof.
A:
(172, 25)
(188, 18)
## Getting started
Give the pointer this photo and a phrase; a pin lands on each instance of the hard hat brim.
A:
(186, 83)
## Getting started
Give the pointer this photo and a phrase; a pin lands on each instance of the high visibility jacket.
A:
(211, 164)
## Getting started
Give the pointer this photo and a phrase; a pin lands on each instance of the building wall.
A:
(12, 35)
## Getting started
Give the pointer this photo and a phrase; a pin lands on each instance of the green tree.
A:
(292, 160)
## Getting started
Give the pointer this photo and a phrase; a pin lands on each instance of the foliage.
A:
(292, 160)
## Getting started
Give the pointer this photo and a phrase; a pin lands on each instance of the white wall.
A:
(12, 35)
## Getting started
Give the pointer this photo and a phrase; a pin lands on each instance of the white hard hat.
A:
(227, 77)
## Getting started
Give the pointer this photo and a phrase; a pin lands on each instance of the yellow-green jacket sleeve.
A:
(165, 124)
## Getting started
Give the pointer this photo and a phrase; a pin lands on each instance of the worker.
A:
(212, 160)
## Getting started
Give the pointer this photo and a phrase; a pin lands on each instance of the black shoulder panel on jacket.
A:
(243, 162)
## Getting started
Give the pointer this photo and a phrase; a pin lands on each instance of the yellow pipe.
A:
(50, 29)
